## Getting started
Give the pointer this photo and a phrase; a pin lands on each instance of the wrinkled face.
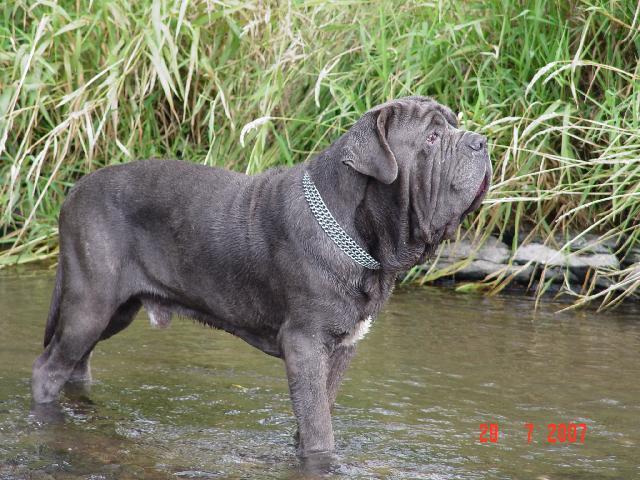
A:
(413, 147)
(450, 169)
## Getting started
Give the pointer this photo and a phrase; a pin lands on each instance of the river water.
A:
(192, 402)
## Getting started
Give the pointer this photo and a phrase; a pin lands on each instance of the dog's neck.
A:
(386, 214)
(376, 216)
(342, 189)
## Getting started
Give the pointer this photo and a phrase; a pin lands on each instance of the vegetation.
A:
(249, 85)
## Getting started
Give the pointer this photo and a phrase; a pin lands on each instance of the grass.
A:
(248, 85)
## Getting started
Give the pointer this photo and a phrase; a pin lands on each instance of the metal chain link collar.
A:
(333, 229)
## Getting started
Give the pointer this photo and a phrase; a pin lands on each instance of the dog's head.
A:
(414, 144)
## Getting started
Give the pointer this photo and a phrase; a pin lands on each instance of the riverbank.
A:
(583, 266)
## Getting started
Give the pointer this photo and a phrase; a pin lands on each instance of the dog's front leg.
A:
(306, 360)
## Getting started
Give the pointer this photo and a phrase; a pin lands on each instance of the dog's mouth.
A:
(477, 200)
(450, 229)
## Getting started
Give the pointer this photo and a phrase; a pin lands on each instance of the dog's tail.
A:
(54, 310)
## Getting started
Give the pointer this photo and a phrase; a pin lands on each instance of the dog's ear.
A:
(368, 150)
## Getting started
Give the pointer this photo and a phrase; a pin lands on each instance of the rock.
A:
(492, 259)
(538, 253)
(522, 274)
(603, 282)
(479, 269)
(632, 257)
(492, 250)
(601, 261)
(589, 243)
(629, 275)
(544, 255)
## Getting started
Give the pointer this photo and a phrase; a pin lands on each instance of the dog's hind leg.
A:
(82, 323)
(120, 320)
(122, 317)
(82, 370)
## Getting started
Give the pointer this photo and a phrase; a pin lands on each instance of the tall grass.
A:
(249, 85)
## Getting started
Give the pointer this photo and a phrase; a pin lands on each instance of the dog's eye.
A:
(432, 137)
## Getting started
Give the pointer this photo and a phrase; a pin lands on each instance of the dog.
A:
(295, 261)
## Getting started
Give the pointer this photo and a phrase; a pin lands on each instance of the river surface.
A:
(192, 402)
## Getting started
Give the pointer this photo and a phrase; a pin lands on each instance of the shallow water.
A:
(191, 402)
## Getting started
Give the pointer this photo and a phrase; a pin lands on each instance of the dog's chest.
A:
(359, 331)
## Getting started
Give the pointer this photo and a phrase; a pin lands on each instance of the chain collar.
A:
(333, 229)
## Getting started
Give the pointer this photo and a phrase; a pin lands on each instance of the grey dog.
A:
(249, 254)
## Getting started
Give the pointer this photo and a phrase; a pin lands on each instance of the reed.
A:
(249, 85)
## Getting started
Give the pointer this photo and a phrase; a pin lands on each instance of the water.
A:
(191, 402)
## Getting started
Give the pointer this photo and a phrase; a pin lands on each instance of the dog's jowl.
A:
(295, 261)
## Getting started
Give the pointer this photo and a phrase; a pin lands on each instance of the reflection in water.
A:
(191, 402)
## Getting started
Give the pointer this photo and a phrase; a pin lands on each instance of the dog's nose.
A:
(476, 142)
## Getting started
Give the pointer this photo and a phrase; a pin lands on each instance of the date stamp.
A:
(556, 432)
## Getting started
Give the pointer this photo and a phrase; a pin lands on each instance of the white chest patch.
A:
(358, 332)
